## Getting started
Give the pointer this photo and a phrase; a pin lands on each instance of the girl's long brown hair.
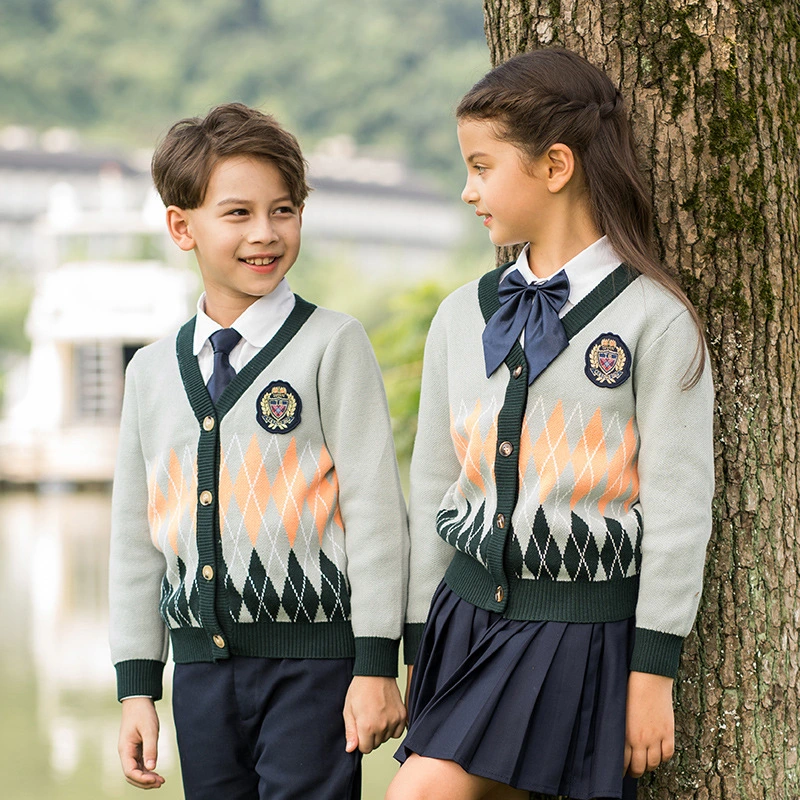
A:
(554, 96)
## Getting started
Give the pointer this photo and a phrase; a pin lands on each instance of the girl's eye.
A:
(480, 169)
(238, 212)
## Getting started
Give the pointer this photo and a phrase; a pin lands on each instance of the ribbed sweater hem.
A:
(373, 655)
(536, 600)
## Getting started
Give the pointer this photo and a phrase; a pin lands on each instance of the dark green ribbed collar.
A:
(577, 317)
(193, 382)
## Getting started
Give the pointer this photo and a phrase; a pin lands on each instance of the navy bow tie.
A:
(534, 307)
(222, 342)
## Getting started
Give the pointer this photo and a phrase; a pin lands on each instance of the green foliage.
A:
(397, 319)
(387, 73)
(335, 283)
(15, 299)
(399, 344)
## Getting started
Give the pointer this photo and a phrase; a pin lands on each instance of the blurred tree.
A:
(714, 97)
(399, 343)
(397, 319)
(15, 299)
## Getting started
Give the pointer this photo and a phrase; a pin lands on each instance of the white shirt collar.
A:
(584, 271)
(256, 323)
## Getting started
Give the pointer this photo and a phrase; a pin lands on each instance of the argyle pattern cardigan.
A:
(271, 524)
(585, 497)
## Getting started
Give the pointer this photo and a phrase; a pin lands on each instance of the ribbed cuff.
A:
(657, 653)
(412, 636)
(139, 678)
(376, 656)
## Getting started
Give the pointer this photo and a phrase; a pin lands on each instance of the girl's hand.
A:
(650, 723)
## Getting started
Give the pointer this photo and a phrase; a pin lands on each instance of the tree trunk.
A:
(714, 89)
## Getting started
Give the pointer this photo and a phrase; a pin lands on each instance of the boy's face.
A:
(246, 234)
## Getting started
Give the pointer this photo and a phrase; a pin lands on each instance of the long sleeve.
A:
(676, 475)
(357, 430)
(434, 469)
(138, 636)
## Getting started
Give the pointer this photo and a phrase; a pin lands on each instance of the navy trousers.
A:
(265, 729)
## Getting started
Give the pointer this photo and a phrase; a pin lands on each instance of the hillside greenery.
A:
(387, 73)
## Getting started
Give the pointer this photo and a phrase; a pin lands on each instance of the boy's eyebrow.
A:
(237, 201)
(233, 201)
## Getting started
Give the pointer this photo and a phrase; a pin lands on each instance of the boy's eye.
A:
(238, 212)
(285, 210)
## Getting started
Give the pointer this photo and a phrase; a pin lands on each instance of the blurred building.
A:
(33, 167)
(63, 404)
(89, 229)
(377, 215)
(367, 211)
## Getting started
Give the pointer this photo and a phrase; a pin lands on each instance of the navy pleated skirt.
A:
(539, 706)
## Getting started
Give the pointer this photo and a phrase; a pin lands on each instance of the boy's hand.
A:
(650, 723)
(138, 743)
(373, 713)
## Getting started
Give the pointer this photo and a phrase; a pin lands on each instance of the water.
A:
(58, 735)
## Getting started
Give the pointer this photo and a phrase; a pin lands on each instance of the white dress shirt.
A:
(584, 271)
(257, 325)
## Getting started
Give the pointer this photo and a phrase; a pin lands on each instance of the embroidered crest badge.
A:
(278, 408)
(608, 361)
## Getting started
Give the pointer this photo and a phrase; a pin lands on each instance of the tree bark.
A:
(714, 93)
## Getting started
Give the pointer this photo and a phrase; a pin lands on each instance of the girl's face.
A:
(508, 191)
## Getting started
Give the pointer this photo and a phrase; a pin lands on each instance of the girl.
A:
(564, 458)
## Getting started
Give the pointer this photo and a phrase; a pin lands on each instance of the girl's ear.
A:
(560, 165)
(179, 229)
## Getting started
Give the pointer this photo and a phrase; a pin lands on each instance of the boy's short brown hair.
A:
(183, 161)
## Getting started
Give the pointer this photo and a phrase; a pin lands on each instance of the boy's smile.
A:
(245, 234)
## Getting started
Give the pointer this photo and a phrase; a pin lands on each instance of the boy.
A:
(258, 523)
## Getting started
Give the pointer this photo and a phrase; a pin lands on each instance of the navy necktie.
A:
(223, 341)
(533, 307)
